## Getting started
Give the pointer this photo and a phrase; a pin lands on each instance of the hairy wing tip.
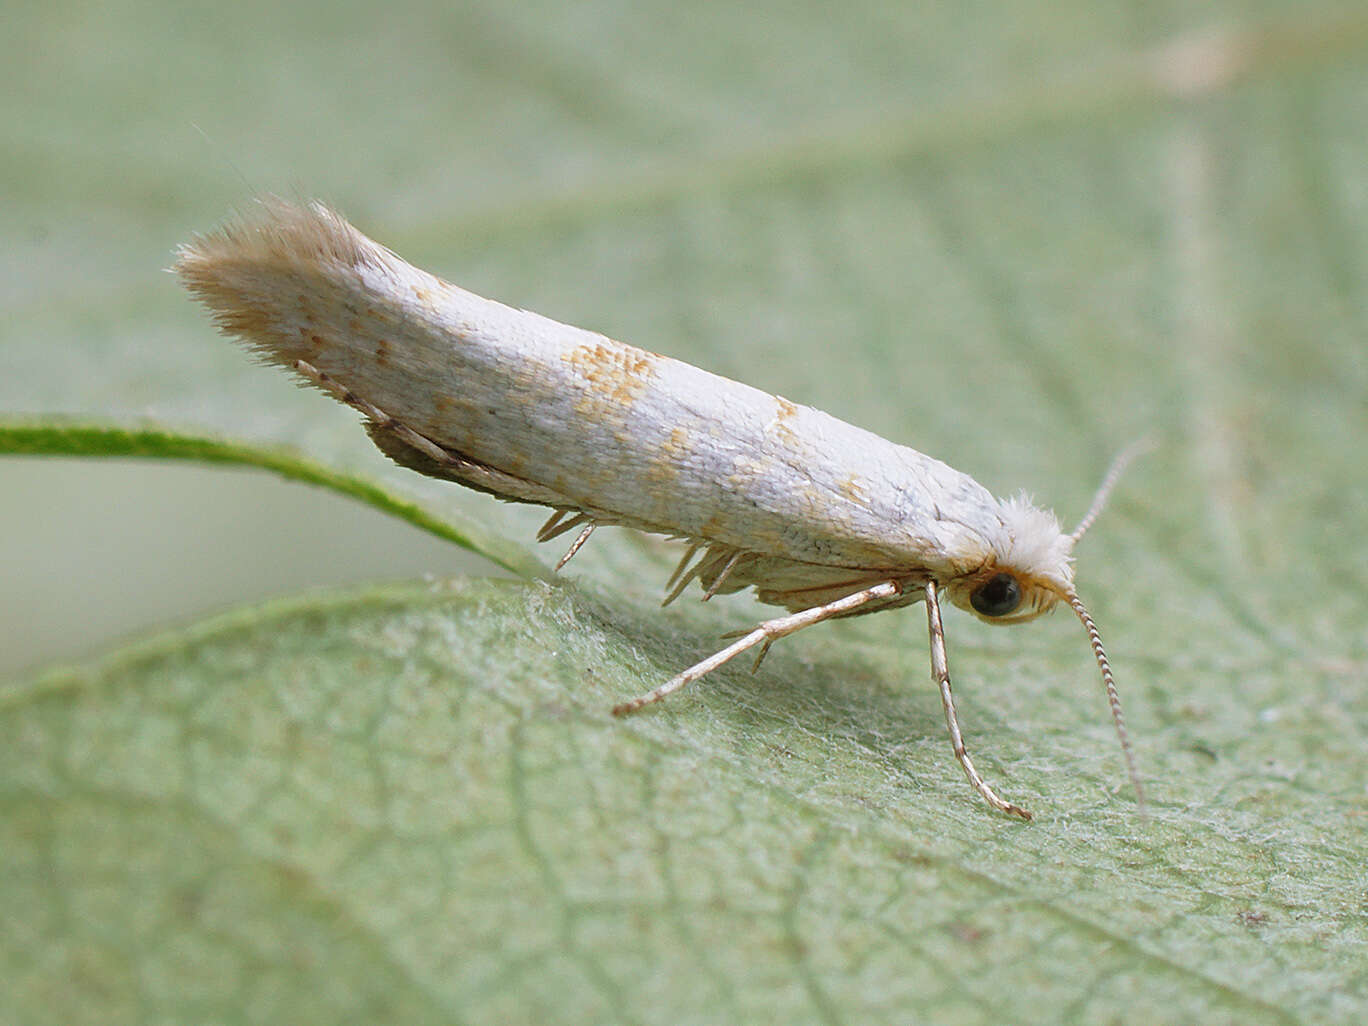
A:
(269, 275)
(274, 233)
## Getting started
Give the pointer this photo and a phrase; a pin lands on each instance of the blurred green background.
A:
(1015, 236)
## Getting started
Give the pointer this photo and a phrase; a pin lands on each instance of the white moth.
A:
(820, 517)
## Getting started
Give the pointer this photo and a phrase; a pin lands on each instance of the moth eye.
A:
(998, 596)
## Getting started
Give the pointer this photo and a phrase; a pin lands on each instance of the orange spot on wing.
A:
(677, 446)
(851, 488)
(613, 369)
(614, 375)
(660, 471)
(673, 452)
(780, 424)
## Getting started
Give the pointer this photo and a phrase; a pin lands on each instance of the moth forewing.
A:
(817, 515)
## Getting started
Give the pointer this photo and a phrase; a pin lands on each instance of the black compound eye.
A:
(998, 596)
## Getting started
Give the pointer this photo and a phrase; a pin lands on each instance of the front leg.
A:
(940, 672)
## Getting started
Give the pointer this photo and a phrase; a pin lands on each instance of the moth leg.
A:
(760, 656)
(940, 672)
(684, 561)
(575, 546)
(555, 527)
(763, 634)
(715, 556)
(555, 518)
(723, 575)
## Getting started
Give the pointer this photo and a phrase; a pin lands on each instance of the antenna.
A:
(1104, 490)
(1113, 697)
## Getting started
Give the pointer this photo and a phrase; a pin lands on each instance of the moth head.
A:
(1028, 567)
(1028, 564)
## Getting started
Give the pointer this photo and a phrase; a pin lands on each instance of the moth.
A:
(820, 517)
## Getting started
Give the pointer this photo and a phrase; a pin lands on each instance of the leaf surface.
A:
(1014, 238)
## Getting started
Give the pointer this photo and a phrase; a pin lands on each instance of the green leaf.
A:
(53, 437)
(1013, 237)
